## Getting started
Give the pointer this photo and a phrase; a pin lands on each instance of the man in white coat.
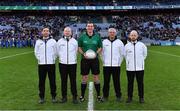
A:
(45, 52)
(112, 54)
(67, 48)
(135, 55)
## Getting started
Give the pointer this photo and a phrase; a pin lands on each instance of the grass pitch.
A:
(19, 83)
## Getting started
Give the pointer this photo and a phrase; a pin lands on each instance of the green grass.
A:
(19, 83)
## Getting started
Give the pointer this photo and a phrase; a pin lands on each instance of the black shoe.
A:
(54, 100)
(75, 101)
(141, 100)
(41, 101)
(81, 99)
(129, 100)
(105, 99)
(118, 99)
(99, 99)
(63, 100)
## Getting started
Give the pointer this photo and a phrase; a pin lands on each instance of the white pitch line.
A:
(91, 97)
(163, 53)
(5, 57)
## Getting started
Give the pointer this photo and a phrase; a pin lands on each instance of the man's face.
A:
(112, 34)
(67, 32)
(45, 32)
(90, 27)
(133, 36)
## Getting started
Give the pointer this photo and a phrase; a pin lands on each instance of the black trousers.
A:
(66, 70)
(43, 70)
(115, 72)
(140, 81)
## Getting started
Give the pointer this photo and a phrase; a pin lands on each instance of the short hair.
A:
(89, 23)
(45, 28)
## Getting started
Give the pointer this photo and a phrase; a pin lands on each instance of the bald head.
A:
(112, 33)
(134, 32)
(133, 35)
(67, 32)
(112, 30)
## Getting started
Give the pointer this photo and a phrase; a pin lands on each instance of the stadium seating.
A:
(151, 28)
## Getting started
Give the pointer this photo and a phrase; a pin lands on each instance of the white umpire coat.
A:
(112, 53)
(67, 50)
(135, 55)
(45, 51)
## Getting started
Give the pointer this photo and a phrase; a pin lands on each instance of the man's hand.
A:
(85, 56)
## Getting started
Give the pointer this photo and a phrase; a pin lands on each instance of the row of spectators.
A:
(84, 2)
(158, 27)
(27, 28)
(22, 31)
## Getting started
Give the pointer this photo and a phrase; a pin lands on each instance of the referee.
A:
(135, 54)
(112, 54)
(67, 48)
(90, 41)
(45, 52)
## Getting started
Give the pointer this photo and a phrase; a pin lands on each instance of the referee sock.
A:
(97, 87)
(83, 88)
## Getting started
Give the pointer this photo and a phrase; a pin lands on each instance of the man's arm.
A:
(145, 52)
(55, 50)
(122, 51)
(80, 47)
(99, 46)
(36, 51)
(125, 51)
(81, 52)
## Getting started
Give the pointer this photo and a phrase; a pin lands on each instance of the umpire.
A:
(135, 54)
(112, 53)
(67, 48)
(45, 52)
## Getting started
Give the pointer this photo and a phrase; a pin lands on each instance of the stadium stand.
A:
(21, 30)
(26, 29)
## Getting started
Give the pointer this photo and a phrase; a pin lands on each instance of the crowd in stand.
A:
(158, 27)
(22, 31)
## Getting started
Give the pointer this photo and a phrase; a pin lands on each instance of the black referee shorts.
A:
(90, 64)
